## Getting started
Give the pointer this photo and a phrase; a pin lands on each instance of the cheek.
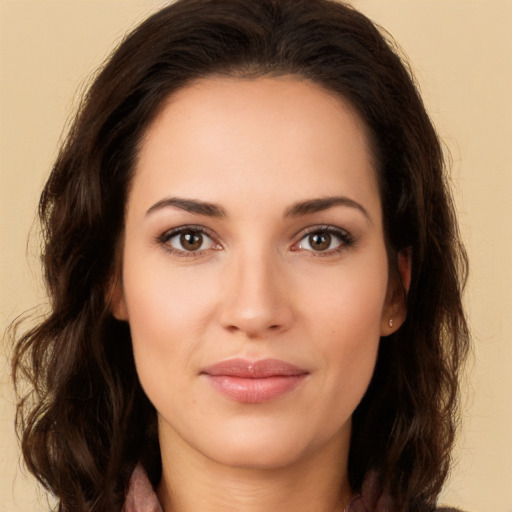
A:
(162, 299)
(344, 318)
(348, 346)
(167, 311)
(346, 301)
(348, 336)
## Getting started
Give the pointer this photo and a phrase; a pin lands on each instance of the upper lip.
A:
(253, 369)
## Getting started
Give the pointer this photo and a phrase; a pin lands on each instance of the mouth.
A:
(254, 382)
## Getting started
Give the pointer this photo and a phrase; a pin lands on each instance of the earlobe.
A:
(395, 312)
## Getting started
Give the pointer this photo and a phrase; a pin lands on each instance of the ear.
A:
(405, 268)
(395, 309)
(117, 301)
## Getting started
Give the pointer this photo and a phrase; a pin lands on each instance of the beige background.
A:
(461, 51)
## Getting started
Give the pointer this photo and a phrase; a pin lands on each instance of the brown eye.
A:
(328, 240)
(191, 240)
(187, 240)
(319, 241)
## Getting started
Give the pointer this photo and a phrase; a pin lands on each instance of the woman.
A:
(255, 274)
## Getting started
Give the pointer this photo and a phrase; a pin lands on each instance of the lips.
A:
(254, 381)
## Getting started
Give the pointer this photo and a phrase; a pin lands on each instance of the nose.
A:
(256, 297)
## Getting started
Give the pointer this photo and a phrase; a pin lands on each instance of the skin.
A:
(257, 287)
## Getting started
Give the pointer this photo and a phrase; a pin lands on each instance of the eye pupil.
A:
(320, 241)
(191, 240)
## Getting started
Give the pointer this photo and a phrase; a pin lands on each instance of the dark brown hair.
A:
(86, 421)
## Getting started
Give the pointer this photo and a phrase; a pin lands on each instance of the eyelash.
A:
(164, 239)
(345, 238)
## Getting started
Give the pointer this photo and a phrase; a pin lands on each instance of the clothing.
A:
(141, 496)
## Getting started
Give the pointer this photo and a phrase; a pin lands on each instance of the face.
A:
(254, 271)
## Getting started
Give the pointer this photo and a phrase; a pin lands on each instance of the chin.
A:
(269, 455)
(268, 447)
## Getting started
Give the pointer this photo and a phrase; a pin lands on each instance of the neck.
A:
(316, 483)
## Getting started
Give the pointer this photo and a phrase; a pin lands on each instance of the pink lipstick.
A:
(254, 382)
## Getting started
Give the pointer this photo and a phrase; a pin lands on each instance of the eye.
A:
(326, 239)
(188, 240)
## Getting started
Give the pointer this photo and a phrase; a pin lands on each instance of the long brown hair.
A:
(86, 422)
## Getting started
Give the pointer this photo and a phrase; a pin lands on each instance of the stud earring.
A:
(390, 323)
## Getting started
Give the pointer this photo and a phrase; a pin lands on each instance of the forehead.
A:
(263, 137)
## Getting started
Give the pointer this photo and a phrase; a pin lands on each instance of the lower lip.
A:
(255, 391)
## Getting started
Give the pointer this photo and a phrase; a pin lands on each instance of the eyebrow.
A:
(311, 206)
(299, 209)
(188, 205)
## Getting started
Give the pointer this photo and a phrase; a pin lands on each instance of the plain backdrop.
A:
(461, 53)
